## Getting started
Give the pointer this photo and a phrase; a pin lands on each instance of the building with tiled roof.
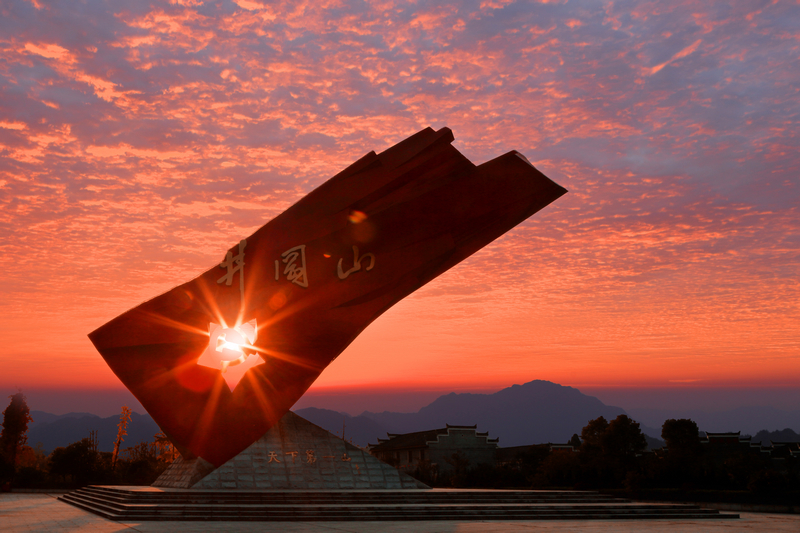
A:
(435, 448)
(726, 439)
(783, 450)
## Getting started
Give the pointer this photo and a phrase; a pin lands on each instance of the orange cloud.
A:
(134, 155)
(683, 53)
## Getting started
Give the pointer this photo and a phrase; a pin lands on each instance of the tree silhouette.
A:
(122, 430)
(682, 437)
(77, 461)
(623, 439)
(609, 449)
(683, 466)
(165, 450)
(15, 428)
(592, 436)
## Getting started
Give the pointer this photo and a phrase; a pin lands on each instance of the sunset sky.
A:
(141, 140)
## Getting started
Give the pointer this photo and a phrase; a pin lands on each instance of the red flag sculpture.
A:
(284, 302)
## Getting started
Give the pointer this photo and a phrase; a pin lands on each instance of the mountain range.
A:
(747, 419)
(54, 431)
(532, 413)
(536, 412)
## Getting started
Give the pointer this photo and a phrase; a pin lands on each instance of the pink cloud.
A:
(137, 145)
(683, 53)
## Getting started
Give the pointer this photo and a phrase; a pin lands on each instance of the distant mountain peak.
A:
(530, 413)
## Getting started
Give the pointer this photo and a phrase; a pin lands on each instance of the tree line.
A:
(80, 463)
(613, 456)
(607, 455)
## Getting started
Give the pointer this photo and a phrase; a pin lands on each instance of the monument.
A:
(219, 360)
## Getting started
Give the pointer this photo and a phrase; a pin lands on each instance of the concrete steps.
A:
(133, 504)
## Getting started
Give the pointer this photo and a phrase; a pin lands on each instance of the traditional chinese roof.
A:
(788, 444)
(417, 439)
(420, 439)
(783, 448)
(726, 438)
(727, 434)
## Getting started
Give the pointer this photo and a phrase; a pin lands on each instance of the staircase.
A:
(135, 504)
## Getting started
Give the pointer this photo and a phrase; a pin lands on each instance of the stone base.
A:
(183, 473)
(294, 454)
(134, 505)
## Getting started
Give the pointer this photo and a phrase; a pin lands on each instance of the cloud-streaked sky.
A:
(139, 141)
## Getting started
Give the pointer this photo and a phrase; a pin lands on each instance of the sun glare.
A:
(231, 351)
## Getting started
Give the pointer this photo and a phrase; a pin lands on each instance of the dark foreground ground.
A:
(42, 512)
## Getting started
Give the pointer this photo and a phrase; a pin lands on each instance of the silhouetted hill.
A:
(747, 419)
(536, 412)
(359, 430)
(66, 429)
(786, 435)
(40, 417)
(533, 413)
(654, 443)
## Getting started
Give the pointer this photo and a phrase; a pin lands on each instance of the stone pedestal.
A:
(294, 454)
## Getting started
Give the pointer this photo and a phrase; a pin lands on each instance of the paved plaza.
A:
(43, 512)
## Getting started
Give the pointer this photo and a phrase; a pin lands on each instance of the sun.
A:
(231, 351)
